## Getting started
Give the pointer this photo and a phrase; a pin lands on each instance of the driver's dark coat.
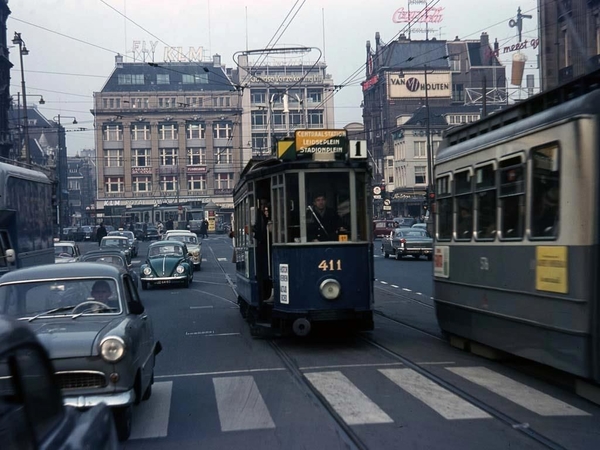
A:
(330, 222)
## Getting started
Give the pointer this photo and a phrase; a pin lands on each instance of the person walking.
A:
(101, 233)
(204, 228)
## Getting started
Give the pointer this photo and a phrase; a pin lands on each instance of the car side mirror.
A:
(11, 256)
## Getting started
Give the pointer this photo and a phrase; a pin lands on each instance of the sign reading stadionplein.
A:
(412, 84)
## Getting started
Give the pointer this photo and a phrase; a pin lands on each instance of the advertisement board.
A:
(412, 84)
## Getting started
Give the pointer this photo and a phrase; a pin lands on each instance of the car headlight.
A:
(147, 271)
(195, 252)
(112, 349)
(180, 269)
(330, 289)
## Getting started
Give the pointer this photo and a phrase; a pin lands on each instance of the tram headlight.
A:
(330, 289)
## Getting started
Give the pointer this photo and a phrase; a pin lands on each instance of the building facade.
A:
(280, 98)
(569, 39)
(168, 136)
(406, 74)
(82, 187)
(5, 66)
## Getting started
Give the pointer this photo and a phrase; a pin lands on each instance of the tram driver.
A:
(322, 223)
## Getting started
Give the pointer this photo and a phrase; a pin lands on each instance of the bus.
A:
(26, 218)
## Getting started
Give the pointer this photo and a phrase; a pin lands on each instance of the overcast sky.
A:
(66, 69)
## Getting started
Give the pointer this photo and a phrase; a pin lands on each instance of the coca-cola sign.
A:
(432, 14)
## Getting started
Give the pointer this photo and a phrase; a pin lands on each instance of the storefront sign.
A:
(145, 51)
(366, 85)
(433, 14)
(223, 191)
(287, 78)
(196, 169)
(412, 85)
(141, 171)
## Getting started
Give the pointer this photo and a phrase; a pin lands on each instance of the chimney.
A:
(484, 49)
(119, 61)
(217, 60)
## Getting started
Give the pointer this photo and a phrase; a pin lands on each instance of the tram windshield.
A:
(328, 215)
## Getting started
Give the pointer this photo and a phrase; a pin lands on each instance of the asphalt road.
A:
(400, 386)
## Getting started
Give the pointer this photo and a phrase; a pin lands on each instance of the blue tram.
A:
(303, 241)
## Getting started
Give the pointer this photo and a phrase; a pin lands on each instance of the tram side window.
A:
(545, 192)
(293, 207)
(363, 216)
(485, 197)
(512, 198)
(328, 206)
(464, 205)
(445, 208)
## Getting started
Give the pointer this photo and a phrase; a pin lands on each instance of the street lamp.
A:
(61, 170)
(23, 51)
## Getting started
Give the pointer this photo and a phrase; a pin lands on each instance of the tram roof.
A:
(579, 96)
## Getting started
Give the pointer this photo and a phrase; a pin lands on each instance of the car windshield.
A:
(108, 259)
(188, 239)
(162, 250)
(64, 250)
(114, 242)
(26, 300)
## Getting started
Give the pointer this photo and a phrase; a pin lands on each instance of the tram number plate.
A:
(331, 265)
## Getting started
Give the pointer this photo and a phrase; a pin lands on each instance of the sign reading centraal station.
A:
(412, 84)
(320, 141)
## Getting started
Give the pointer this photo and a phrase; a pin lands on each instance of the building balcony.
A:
(168, 170)
(112, 145)
(168, 143)
(141, 143)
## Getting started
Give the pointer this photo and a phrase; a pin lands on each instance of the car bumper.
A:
(112, 400)
(416, 251)
(164, 279)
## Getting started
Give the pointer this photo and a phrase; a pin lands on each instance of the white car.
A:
(66, 252)
(192, 243)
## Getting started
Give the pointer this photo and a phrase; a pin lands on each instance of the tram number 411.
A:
(330, 265)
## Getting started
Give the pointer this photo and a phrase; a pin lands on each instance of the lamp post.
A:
(61, 171)
(23, 51)
(429, 158)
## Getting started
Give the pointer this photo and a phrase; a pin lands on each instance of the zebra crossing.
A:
(240, 405)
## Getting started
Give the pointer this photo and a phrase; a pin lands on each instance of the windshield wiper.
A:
(52, 311)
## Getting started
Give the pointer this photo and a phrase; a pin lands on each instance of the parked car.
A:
(192, 243)
(109, 256)
(85, 233)
(152, 233)
(91, 320)
(383, 228)
(421, 226)
(134, 244)
(66, 252)
(408, 241)
(168, 262)
(32, 413)
(68, 233)
(117, 242)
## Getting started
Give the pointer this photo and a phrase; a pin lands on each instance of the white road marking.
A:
(394, 286)
(204, 260)
(383, 282)
(442, 401)
(221, 259)
(521, 394)
(222, 372)
(136, 261)
(407, 290)
(152, 417)
(418, 293)
(343, 366)
(240, 405)
(348, 401)
(201, 307)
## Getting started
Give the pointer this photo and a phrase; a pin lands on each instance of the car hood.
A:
(61, 260)
(70, 338)
(165, 265)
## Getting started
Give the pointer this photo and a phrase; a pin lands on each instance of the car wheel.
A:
(144, 285)
(186, 283)
(148, 392)
(386, 255)
(123, 420)
(398, 256)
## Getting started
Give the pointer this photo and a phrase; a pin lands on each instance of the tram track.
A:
(346, 433)
(508, 420)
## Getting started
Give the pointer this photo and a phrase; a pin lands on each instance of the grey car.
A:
(408, 242)
(134, 244)
(32, 413)
(91, 321)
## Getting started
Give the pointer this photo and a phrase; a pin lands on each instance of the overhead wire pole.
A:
(23, 51)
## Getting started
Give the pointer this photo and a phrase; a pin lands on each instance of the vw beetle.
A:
(168, 262)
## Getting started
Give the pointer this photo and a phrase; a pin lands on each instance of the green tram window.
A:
(512, 198)
(463, 188)
(485, 202)
(545, 192)
(445, 208)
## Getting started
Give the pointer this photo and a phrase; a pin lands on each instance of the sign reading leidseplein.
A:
(320, 141)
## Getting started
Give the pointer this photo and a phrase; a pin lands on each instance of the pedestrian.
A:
(204, 229)
(101, 233)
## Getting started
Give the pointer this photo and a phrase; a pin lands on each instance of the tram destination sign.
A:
(320, 141)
